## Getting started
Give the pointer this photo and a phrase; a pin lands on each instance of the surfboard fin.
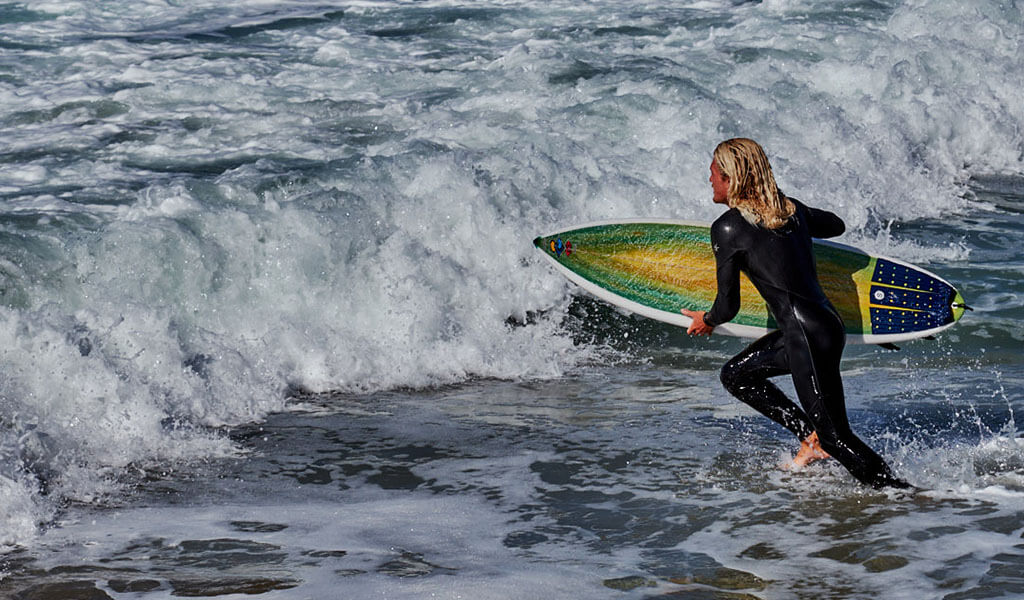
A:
(891, 346)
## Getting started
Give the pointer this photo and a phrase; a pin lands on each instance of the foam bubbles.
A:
(22, 511)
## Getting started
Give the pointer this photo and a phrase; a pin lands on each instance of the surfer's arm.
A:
(824, 224)
(727, 299)
(727, 302)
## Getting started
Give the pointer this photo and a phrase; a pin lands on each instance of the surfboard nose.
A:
(538, 242)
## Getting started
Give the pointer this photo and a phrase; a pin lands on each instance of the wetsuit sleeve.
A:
(823, 224)
(727, 270)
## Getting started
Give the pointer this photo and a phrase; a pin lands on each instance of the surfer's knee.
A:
(731, 375)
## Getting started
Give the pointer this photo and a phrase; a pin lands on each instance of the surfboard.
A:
(656, 267)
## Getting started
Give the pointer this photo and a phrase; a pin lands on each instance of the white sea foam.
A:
(21, 514)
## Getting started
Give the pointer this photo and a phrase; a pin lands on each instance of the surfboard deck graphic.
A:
(657, 267)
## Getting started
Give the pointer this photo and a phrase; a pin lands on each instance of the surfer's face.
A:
(719, 184)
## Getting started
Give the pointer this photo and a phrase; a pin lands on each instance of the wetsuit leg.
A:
(746, 375)
(819, 386)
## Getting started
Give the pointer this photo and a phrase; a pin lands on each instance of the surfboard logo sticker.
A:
(558, 247)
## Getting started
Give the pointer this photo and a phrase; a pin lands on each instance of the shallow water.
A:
(271, 322)
(635, 482)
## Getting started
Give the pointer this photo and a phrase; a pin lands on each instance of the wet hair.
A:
(752, 188)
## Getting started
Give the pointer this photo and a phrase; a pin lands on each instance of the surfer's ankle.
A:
(810, 451)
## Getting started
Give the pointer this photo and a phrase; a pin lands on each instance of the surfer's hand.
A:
(697, 325)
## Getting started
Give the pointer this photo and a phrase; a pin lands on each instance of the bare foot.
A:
(810, 451)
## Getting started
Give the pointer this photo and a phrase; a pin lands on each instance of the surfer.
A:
(767, 235)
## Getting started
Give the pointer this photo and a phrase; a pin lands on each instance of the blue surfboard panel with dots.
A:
(906, 299)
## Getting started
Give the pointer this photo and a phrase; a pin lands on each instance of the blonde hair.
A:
(752, 188)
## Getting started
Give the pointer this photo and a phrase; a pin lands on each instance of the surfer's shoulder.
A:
(728, 225)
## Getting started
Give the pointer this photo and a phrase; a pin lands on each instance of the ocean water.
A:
(272, 324)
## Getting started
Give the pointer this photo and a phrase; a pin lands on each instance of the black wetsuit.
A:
(808, 343)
